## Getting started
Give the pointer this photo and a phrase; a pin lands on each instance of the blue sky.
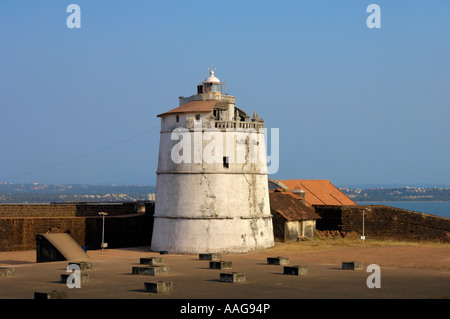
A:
(353, 105)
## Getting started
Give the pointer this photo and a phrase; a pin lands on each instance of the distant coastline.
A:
(438, 208)
(401, 201)
(400, 194)
(34, 193)
(45, 193)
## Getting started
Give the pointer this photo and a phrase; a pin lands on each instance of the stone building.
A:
(212, 187)
(292, 219)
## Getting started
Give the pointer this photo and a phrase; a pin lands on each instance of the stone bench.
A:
(151, 261)
(295, 270)
(232, 277)
(6, 271)
(220, 264)
(84, 277)
(54, 294)
(158, 287)
(213, 256)
(352, 265)
(84, 265)
(277, 260)
(150, 270)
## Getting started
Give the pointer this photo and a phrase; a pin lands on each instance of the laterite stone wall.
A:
(384, 222)
(125, 226)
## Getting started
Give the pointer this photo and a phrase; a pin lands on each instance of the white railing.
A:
(238, 124)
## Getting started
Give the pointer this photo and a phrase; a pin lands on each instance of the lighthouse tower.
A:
(212, 187)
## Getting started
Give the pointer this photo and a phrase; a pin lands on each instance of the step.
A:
(151, 261)
(84, 277)
(54, 294)
(352, 265)
(232, 277)
(158, 287)
(213, 256)
(84, 265)
(220, 264)
(6, 271)
(277, 260)
(295, 270)
(150, 270)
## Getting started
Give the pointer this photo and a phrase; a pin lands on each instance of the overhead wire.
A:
(83, 155)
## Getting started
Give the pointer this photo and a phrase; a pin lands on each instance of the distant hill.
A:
(402, 194)
(45, 193)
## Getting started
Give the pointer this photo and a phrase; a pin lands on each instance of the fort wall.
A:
(127, 224)
(384, 222)
(68, 210)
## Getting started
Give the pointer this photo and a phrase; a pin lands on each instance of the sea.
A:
(435, 208)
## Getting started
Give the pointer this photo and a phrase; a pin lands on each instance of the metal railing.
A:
(238, 124)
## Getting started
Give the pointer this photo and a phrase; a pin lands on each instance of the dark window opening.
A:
(197, 117)
(178, 118)
(225, 162)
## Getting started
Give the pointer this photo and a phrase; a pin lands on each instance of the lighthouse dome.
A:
(211, 84)
(211, 78)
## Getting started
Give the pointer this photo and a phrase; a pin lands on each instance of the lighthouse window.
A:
(215, 88)
(225, 162)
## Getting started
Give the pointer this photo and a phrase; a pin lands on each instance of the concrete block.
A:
(158, 287)
(6, 271)
(213, 256)
(352, 265)
(54, 294)
(151, 261)
(220, 264)
(84, 265)
(277, 260)
(232, 277)
(84, 277)
(295, 270)
(150, 270)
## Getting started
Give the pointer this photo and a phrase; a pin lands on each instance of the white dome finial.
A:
(211, 77)
(211, 70)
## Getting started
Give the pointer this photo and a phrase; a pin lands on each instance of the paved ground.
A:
(409, 273)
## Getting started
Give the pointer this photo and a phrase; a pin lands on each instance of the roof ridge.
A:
(313, 193)
(201, 106)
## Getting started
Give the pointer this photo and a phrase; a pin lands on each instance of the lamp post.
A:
(104, 245)
(363, 237)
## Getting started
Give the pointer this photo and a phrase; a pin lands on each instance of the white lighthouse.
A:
(212, 187)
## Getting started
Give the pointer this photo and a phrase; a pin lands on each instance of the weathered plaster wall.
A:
(204, 206)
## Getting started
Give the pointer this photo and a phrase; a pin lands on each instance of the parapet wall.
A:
(384, 222)
(125, 226)
(68, 210)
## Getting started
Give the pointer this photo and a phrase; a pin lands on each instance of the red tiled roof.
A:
(290, 206)
(192, 107)
(319, 192)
